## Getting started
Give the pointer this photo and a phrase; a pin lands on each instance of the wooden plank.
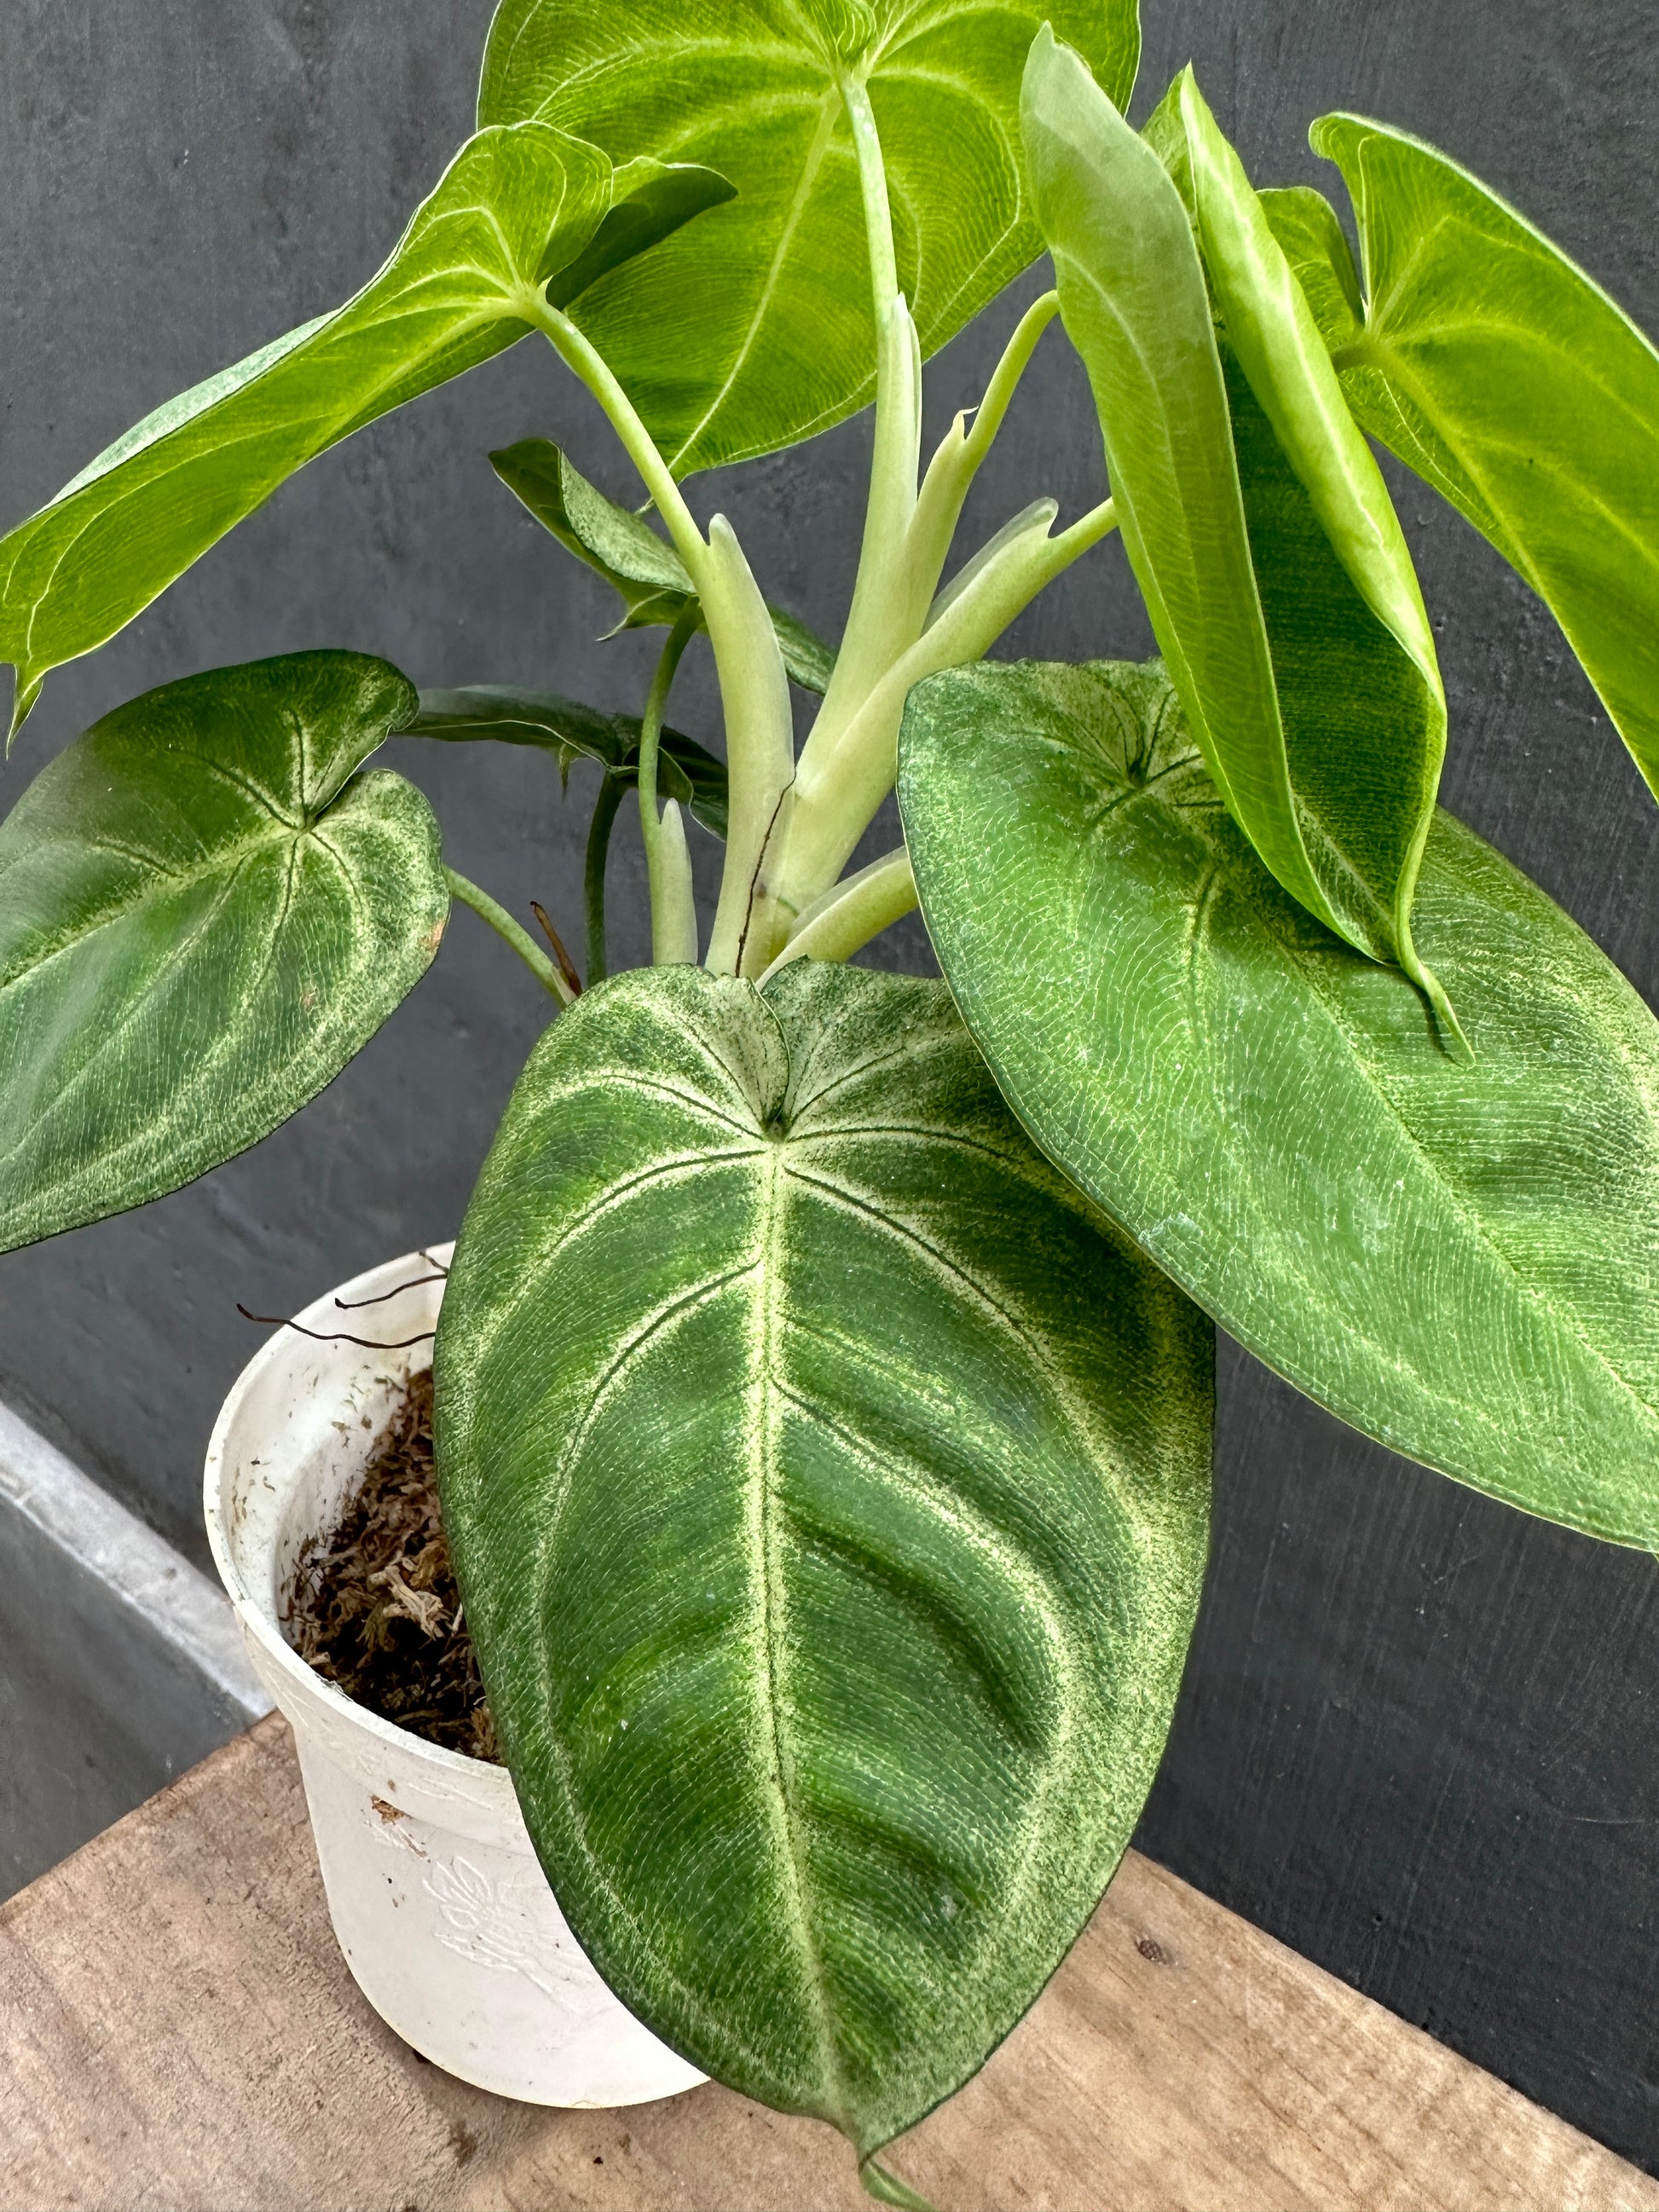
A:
(178, 2031)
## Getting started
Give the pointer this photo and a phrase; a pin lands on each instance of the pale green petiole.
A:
(900, 627)
(791, 829)
(579, 354)
(955, 463)
(851, 912)
(881, 618)
(834, 797)
(753, 685)
(668, 865)
(511, 932)
(760, 748)
(872, 183)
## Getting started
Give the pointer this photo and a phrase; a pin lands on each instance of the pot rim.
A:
(252, 1609)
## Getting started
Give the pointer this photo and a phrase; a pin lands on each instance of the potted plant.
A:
(823, 1378)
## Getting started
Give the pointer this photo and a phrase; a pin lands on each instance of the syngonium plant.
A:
(825, 1374)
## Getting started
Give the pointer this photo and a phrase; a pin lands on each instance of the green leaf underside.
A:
(513, 204)
(1456, 1259)
(686, 771)
(1311, 240)
(643, 569)
(650, 200)
(755, 328)
(1459, 1260)
(1496, 368)
(828, 1489)
(1253, 513)
(204, 914)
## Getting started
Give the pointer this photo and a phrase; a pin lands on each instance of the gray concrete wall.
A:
(1417, 1739)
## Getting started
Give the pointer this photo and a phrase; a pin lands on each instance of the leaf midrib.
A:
(766, 1568)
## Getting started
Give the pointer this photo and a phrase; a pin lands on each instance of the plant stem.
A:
(670, 886)
(883, 615)
(836, 795)
(760, 752)
(856, 909)
(578, 353)
(606, 806)
(955, 463)
(872, 184)
(512, 933)
(760, 748)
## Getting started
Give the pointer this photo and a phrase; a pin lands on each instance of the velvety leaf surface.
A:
(1496, 368)
(686, 771)
(828, 1488)
(1458, 1259)
(756, 328)
(203, 915)
(514, 205)
(643, 569)
(1260, 531)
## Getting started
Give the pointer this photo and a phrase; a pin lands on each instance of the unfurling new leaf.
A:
(828, 1488)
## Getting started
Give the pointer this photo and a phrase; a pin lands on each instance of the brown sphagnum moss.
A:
(374, 1605)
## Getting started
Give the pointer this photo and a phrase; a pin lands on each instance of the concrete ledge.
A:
(120, 1664)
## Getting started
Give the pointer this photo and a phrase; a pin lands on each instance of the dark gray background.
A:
(1417, 1740)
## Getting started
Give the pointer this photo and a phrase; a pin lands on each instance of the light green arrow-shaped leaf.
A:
(758, 329)
(1507, 378)
(686, 771)
(204, 914)
(514, 206)
(1459, 1259)
(644, 570)
(1260, 530)
(828, 1489)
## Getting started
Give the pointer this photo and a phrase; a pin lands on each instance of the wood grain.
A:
(179, 2031)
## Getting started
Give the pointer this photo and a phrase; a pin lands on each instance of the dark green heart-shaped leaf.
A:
(203, 915)
(514, 204)
(828, 1489)
(686, 771)
(756, 328)
(1496, 368)
(643, 569)
(1258, 526)
(1458, 1259)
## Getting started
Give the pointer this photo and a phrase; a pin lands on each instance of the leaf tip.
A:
(1448, 1029)
(884, 2185)
(26, 690)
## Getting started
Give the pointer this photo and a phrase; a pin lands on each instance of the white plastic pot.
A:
(438, 1903)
